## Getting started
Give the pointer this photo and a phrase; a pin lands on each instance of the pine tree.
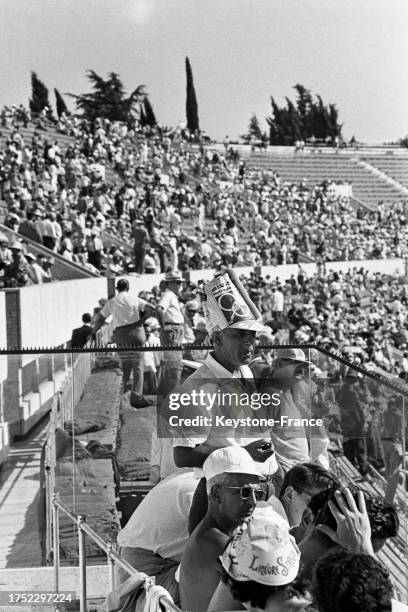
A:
(60, 104)
(191, 101)
(39, 95)
(107, 99)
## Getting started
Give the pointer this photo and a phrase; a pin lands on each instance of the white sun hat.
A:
(262, 550)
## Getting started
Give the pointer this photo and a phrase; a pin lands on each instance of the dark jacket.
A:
(80, 336)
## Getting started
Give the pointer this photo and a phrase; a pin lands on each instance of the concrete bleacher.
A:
(338, 167)
(50, 134)
(394, 166)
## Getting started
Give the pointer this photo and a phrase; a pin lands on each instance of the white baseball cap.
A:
(295, 354)
(262, 550)
(231, 460)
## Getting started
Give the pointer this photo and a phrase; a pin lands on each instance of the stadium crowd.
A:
(259, 521)
(264, 522)
(171, 204)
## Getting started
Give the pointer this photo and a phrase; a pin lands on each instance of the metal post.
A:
(82, 564)
(55, 540)
(48, 508)
(111, 565)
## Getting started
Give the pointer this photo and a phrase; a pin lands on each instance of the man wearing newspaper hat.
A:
(232, 322)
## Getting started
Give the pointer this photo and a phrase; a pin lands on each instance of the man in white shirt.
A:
(154, 538)
(171, 319)
(128, 313)
(232, 326)
(278, 301)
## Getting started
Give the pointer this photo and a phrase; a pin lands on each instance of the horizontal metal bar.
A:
(94, 536)
(143, 349)
(397, 386)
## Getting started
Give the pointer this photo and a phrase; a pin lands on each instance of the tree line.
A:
(306, 118)
(108, 100)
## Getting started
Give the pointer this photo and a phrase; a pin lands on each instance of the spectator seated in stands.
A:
(31, 228)
(353, 582)
(259, 568)
(300, 484)
(285, 374)
(16, 273)
(5, 256)
(200, 338)
(329, 507)
(155, 536)
(233, 491)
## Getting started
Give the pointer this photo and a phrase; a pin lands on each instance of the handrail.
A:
(107, 547)
(38, 248)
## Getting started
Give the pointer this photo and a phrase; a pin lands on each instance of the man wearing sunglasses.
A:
(289, 368)
(233, 488)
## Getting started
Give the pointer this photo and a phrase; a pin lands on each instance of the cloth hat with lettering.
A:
(230, 460)
(262, 550)
(226, 304)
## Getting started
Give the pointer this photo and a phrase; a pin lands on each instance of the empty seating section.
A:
(395, 166)
(367, 187)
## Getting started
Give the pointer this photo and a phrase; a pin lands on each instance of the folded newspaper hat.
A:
(226, 304)
(262, 550)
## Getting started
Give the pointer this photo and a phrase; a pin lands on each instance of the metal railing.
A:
(109, 548)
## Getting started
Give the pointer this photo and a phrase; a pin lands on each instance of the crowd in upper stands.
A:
(171, 204)
(145, 186)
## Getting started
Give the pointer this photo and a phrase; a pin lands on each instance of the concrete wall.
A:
(49, 312)
(3, 336)
(385, 266)
(3, 325)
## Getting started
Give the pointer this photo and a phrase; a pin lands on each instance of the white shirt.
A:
(207, 378)
(160, 522)
(124, 308)
(172, 312)
(277, 301)
(151, 359)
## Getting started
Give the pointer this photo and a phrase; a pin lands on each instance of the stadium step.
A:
(367, 186)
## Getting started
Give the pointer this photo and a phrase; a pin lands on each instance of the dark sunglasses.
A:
(246, 492)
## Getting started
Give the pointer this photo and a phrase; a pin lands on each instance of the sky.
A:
(351, 52)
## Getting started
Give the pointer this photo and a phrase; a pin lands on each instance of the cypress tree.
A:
(149, 117)
(39, 95)
(191, 101)
(60, 103)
